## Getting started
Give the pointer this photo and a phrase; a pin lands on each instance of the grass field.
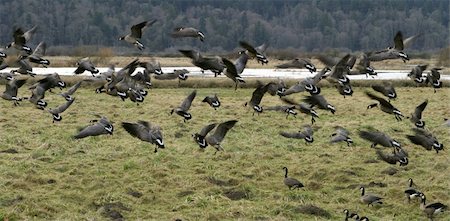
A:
(47, 175)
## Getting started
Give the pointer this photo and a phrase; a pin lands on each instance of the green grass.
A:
(54, 177)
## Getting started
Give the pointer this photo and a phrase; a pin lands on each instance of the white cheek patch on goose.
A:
(109, 128)
(160, 142)
(215, 103)
(257, 108)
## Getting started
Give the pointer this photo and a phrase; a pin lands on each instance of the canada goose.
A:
(387, 89)
(21, 38)
(136, 34)
(302, 107)
(391, 52)
(377, 137)
(416, 73)
(288, 109)
(345, 89)
(434, 78)
(213, 101)
(416, 117)
(341, 134)
(86, 65)
(41, 86)
(127, 88)
(213, 64)
(257, 96)
(182, 110)
(143, 78)
(298, 63)
(38, 53)
(56, 112)
(256, 52)
(107, 75)
(187, 32)
(11, 89)
(152, 66)
(320, 102)
(385, 106)
(410, 192)
(363, 67)
(216, 138)
(5, 77)
(306, 134)
(241, 62)
(338, 73)
(2, 55)
(70, 91)
(200, 138)
(145, 131)
(276, 88)
(290, 182)
(37, 95)
(102, 126)
(231, 72)
(425, 139)
(308, 84)
(24, 67)
(398, 155)
(119, 76)
(350, 215)
(431, 209)
(180, 74)
(368, 198)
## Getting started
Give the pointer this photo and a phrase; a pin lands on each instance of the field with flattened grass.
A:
(48, 175)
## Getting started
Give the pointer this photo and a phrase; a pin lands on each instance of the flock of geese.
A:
(130, 85)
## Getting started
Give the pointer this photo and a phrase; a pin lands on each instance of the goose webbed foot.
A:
(156, 150)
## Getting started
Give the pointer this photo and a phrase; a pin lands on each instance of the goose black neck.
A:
(285, 172)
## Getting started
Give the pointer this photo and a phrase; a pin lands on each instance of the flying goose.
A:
(398, 155)
(183, 109)
(38, 53)
(212, 100)
(431, 209)
(56, 112)
(434, 78)
(136, 34)
(306, 134)
(290, 182)
(213, 64)
(68, 94)
(416, 117)
(425, 139)
(231, 72)
(180, 74)
(145, 131)
(6, 76)
(308, 84)
(21, 38)
(24, 67)
(368, 198)
(257, 96)
(143, 78)
(85, 64)
(410, 192)
(298, 63)
(152, 66)
(344, 89)
(255, 52)
(320, 102)
(37, 96)
(363, 67)
(341, 134)
(102, 126)
(377, 137)
(416, 73)
(387, 89)
(302, 107)
(338, 73)
(391, 52)
(187, 32)
(385, 106)
(288, 109)
(241, 62)
(11, 89)
(216, 138)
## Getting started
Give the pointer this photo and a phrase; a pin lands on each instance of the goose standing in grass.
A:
(11, 90)
(187, 32)
(398, 155)
(303, 108)
(213, 101)
(416, 117)
(349, 215)
(425, 139)
(102, 126)
(387, 89)
(290, 182)
(368, 198)
(341, 134)
(85, 64)
(320, 102)
(306, 134)
(255, 52)
(377, 137)
(257, 96)
(38, 53)
(391, 52)
(411, 193)
(232, 73)
(21, 38)
(434, 78)
(145, 131)
(214, 64)
(385, 106)
(431, 209)
(298, 63)
(136, 34)
(217, 137)
(183, 109)
(416, 73)
(68, 94)
(56, 112)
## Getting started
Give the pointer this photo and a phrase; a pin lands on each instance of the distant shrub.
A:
(444, 57)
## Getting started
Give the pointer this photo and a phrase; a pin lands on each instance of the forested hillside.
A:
(309, 26)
